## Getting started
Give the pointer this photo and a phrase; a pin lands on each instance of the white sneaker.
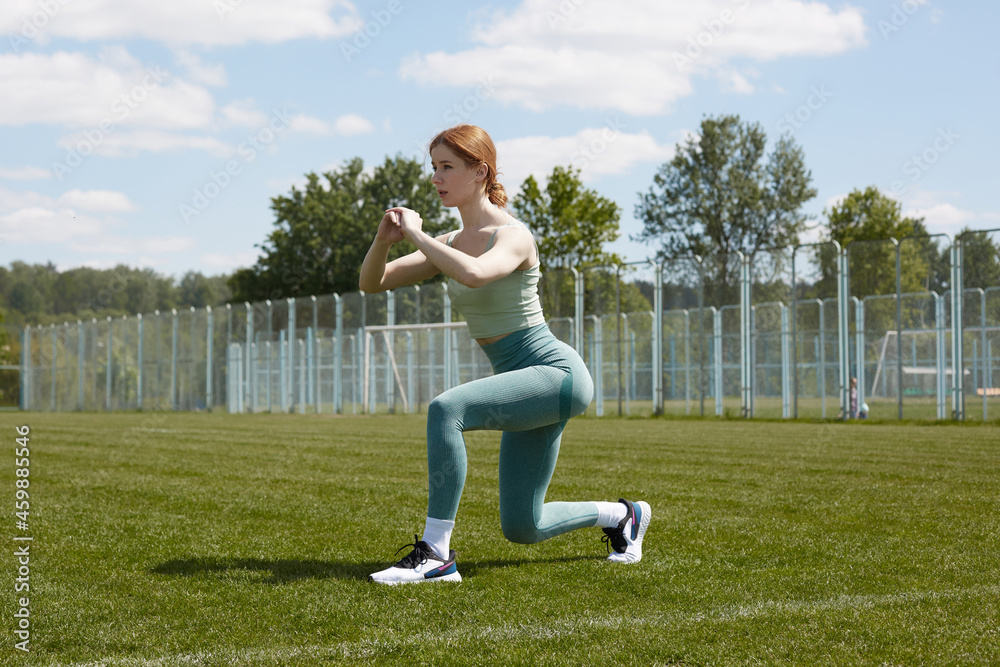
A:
(625, 540)
(421, 564)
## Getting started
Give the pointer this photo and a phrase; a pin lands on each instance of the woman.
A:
(538, 383)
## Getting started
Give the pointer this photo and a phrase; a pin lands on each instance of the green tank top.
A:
(502, 306)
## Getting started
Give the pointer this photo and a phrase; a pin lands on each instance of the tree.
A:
(323, 232)
(980, 259)
(570, 222)
(721, 193)
(199, 291)
(863, 223)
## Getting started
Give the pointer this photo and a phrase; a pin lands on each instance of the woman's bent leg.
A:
(527, 461)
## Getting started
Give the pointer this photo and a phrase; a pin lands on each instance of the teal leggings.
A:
(538, 384)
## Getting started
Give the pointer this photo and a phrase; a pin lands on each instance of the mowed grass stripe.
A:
(217, 539)
(365, 649)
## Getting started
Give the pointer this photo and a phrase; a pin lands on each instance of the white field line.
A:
(369, 648)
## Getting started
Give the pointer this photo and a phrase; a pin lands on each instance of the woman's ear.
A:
(482, 172)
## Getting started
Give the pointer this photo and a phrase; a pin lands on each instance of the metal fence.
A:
(779, 334)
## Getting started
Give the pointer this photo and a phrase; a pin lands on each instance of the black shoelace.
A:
(614, 538)
(419, 554)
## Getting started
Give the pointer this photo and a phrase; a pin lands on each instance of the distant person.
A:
(863, 413)
(538, 384)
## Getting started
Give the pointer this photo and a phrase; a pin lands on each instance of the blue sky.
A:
(155, 134)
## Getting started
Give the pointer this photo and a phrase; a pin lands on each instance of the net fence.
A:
(811, 331)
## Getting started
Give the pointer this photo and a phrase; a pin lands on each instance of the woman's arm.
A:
(509, 251)
(379, 276)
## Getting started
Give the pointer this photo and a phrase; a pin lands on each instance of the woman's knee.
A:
(520, 529)
(443, 409)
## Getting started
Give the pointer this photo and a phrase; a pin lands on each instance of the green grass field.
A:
(197, 539)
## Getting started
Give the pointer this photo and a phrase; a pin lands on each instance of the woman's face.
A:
(456, 182)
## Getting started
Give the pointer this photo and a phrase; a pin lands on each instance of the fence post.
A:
(138, 389)
(390, 319)
(957, 325)
(618, 334)
(658, 340)
(940, 387)
(746, 405)
(859, 348)
(786, 408)
(719, 380)
(249, 348)
(578, 310)
(107, 367)
(209, 326)
(447, 339)
(80, 366)
(290, 350)
(173, 361)
(843, 361)
(314, 354)
(55, 347)
(338, 356)
(899, 329)
(25, 368)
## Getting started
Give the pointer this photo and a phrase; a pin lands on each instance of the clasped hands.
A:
(399, 223)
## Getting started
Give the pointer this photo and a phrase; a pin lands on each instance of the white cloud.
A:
(119, 144)
(244, 114)
(595, 151)
(96, 200)
(942, 218)
(309, 125)
(114, 90)
(178, 22)
(209, 75)
(46, 225)
(638, 57)
(25, 173)
(351, 125)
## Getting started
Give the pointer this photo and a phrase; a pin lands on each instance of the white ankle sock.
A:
(437, 533)
(609, 514)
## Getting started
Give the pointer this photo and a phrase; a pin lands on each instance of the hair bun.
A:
(497, 194)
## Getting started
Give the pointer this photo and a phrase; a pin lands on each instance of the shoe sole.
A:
(453, 577)
(643, 525)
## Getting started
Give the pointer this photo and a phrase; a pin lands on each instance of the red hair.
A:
(474, 146)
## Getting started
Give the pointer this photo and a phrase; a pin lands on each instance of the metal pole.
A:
(795, 349)
(138, 391)
(25, 368)
(107, 369)
(658, 340)
(54, 355)
(208, 358)
(173, 362)
(701, 332)
(620, 342)
(899, 331)
(81, 350)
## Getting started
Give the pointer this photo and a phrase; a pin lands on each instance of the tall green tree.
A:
(571, 223)
(722, 193)
(322, 233)
(863, 223)
(199, 290)
(980, 259)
